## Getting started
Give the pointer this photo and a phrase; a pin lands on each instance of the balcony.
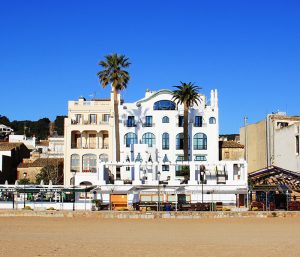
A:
(148, 125)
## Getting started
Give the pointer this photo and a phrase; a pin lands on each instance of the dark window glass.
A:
(130, 138)
(164, 105)
(198, 121)
(180, 121)
(130, 121)
(149, 139)
(200, 141)
(165, 119)
(165, 141)
(148, 122)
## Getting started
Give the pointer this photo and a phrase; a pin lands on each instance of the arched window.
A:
(164, 105)
(165, 119)
(165, 141)
(130, 139)
(179, 141)
(75, 162)
(200, 141)
(103, 157)
(212, 120)
(148, 138)
(89, 163)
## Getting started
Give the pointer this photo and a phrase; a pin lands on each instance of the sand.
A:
(37, 236)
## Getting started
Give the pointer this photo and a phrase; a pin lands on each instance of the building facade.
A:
(88, 137)
(272, 142)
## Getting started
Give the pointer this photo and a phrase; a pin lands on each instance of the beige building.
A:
(265, 144)
(231, 150)
(89, 130)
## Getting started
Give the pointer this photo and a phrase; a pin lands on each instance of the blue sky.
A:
(248, 50)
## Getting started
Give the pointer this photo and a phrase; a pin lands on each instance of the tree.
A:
(113, 72)
(4, 120)
(55, 173)
(24, 181)
(188, 95)
(59, 125)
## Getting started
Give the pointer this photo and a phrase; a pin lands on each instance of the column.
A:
(137, 180)
(192, 180)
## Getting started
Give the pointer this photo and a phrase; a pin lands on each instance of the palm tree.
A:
(188, 95)
(114, 73)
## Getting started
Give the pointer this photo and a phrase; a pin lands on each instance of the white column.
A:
(101, 168)
(137, 180)
(192, 180)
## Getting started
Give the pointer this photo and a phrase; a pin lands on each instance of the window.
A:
(180, 158)
(130, 121)
(179, 141)
(89, 163)
(165, 141)
(130, 139)
(297, 145)
(103, 157)
(180, 121)
(198, 121)
(226, 155)
(164, 105)
(127, 168)
(282, 124)
(165, 167)
(200, 141)
(212, 120)
(148, 122)
(75, 162)
(93, 119)
(149, 139)
(165, 119)
(165, 158)
(105, 118)
(200, 158)
(78, 118)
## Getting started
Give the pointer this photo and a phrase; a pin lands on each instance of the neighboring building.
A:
(230, 137)
(11, 154)
(33, 166)
(88, 137)
(231, 150)
(30, 142)
(272, 142)
(5, 131)
(56, 146)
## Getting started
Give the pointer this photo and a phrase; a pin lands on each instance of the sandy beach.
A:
(37, 236)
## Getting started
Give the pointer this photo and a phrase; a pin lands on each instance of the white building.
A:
(5, 130)
(30, 142)
(151, 139)
(286, 147)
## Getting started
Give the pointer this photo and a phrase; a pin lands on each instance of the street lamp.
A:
(158, 189)
(24, 176)
(74, 197)
(287, 200)
(202, 174)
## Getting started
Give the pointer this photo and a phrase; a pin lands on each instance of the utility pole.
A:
(246, 139)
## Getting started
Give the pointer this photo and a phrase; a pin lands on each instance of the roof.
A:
(230, 144)
(42, 162)
(101, 99)
(6, 146)
(43, 143)
(283, 117)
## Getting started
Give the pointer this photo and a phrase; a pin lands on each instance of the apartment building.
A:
(89, 130)
(273, 141)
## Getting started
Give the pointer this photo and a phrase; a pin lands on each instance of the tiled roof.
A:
(6, 146)
(101, 99)
(282, 117)
(43, 143)
(230, 144)
(42, 162)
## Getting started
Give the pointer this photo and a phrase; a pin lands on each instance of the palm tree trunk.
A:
(186, 132)
(117, 132)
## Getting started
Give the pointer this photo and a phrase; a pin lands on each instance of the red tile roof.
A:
(230, 144)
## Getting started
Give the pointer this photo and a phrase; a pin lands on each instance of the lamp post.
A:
(287, 200)
(202, 173)
(24, 176)
(158, 189)
(74, 197)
